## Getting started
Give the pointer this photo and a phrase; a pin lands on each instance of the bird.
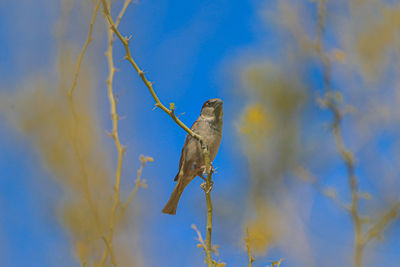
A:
(191, 164)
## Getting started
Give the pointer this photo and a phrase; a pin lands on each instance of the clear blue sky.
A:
(190, 50)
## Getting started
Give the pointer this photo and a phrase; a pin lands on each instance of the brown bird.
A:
(191, 164)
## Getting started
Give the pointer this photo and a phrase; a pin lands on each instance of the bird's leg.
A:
(202, 173)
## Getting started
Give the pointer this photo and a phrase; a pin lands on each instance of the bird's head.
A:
(212, 108)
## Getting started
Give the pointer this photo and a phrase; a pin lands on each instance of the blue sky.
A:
(192, 51)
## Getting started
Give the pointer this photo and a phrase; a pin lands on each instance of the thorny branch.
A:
(171, 112)
(114, 135)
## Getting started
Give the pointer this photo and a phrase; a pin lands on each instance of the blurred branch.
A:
(276, 263)
(82, 166)
(344, 152)
(171, 113)
(247, 240)
(88, 40)
(138, 183)
(330, 193)
(375, 231)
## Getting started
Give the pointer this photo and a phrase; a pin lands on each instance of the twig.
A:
(199, 237)
(171, 113)
(138, 183)
(88, 40)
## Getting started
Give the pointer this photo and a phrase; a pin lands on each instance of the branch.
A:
(138, 183)
(247, 240)
(115, 136)
(171, 113)
(149, 85)
(376, 230)
(88, 40)
(82, 166)
(199, 238)
(345, 153)
(208, 247)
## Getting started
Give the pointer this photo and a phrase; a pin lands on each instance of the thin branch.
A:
(247, 240)
(345, 153)
(109, 247)
(149, 85)
(88, 40)
(208, 247)
(306, 176)
(138, 183)
(171, 113)
(376, 230)
(122, 12)
(199, 238)
(115, 136)
(82, 166)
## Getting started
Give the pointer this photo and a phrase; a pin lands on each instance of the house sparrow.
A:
(191, 164)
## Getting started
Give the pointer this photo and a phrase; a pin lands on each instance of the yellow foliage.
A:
(261, 235)
(255, 122)
(377, 39)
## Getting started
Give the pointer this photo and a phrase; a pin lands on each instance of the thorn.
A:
(180, 114)
(156, 105)
(109, 134)
(123, 149)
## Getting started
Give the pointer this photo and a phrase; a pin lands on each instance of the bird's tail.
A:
(172, 204)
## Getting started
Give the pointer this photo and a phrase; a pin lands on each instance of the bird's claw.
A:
(206, 188)
(204, 169)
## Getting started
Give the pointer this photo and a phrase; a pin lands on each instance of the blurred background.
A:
(309, 158)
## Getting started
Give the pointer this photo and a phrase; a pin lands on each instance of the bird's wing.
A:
(183, 154)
